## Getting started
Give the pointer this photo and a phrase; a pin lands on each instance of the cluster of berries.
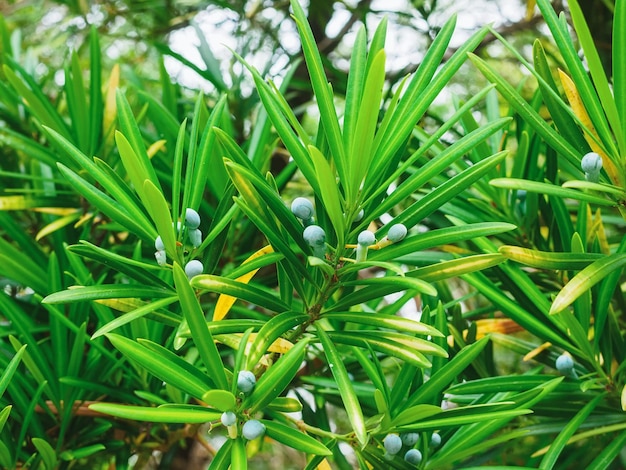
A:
(315, 236)
(252, 428)
(194, 235)
(393, 444)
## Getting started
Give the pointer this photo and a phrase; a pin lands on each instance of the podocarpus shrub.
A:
(129, 331)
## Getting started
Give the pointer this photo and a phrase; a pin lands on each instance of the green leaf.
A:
(379, 320)
(619, 64)
(293, 438)
(348, 396)
(361, 157)
(527, 112)
(199, 331)
(81, 453)
(157, 206)
(550, 189)
(163, 364)
(439, 237)
(414, 414)
(138, 270)
(549, 260)
(132, 149)
(4, 414)
(108, 291)
(47, 453)
(610, 452)
(439, 381)
(329, 193)
(285, 405)
(273, 329)
(169, 414)
(586, 279)
(396, 282)
(134, 221)
(133, 315)
(321, 89)
(208, 165)
(212, 71)
(448, 190)
(550, 458)
(377, 288)
(507, 383)
(5, 456)
(564, 122)
(409, 349)
(457, 267)
(38, 104)
(272, 383)
(222, 400)
(239, 290)
(238, 455)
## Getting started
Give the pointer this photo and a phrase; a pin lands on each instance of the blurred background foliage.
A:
(136, 33)
(190, 42)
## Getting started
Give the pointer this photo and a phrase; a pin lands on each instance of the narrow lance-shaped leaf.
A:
(549, 260)
(272, 383)
(321, 89)
(137, 161)
(163, 364)
(169, 414)
(586, 279)
(348, 396)
(199, 331)
(294, 438)
(428, 392)
(550, 459)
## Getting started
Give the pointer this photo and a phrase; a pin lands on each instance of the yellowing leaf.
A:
(225, 302)
(110, 107)
(122, 305)
(324, 465)
(155, 147)
(588, 128)
(535, 352)
(280, 346)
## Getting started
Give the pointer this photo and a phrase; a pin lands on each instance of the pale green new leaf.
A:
(586, 279)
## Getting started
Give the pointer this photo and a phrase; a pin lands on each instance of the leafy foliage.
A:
(157, 281)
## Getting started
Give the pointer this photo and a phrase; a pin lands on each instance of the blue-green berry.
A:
(396, 233)
(228, 418)
(591, 163)
(435, 439)
(253, 429)
(359, 216)
(158, 244)
(245, 381)
(192, 219)
(302, 208)
(366, 238)
(195, 237)
(409, 439)
(564, 363)
(392, 443)
(413, 456)
(161, 257)
(193, 268)
(315, 237)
